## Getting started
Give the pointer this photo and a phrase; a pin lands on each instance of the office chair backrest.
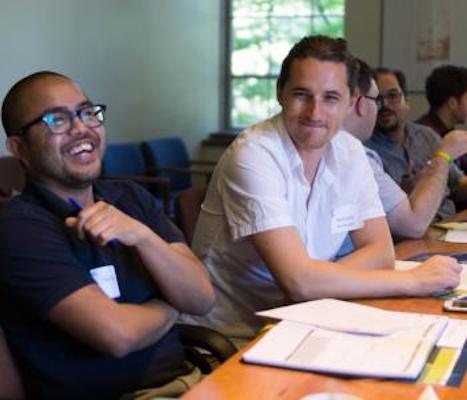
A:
(123, 159)
(12, 177)
(168, 153)
(187, 207)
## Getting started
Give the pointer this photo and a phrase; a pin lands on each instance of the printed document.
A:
(299, 345)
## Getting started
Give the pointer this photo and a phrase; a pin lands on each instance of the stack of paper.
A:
(456, 231)
(345, 338)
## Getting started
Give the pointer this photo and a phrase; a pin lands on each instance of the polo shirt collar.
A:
(63, 209)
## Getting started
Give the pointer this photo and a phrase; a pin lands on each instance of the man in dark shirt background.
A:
(446, 92)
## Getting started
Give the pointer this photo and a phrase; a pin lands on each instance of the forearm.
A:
(347, 283)
(428, 193)
(373, 256)
(110, 327)
(144, 324)
(181, 277)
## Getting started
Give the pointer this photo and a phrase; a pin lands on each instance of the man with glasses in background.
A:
(407, 148)
(408, 216)
(92, 274)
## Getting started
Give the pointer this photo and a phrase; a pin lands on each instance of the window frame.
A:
(228, 77)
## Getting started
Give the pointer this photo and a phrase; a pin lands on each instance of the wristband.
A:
(445, 156)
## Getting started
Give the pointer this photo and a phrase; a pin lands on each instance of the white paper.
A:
(344, 316)
(106, 279)
(428, 394)
(302, 346)
(454, 335)
(456, 236)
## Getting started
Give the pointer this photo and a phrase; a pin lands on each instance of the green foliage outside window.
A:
(262, 33)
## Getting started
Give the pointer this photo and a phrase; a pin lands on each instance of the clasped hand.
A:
(104, 222)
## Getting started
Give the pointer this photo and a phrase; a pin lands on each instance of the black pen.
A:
(112, 243)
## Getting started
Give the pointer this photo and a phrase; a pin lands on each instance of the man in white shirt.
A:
(408, 216)
(285, 195)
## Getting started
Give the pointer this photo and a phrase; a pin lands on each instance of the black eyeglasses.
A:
(392, 96)
(379, 100)
(60, 120)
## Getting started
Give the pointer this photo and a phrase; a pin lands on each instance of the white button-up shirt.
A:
(260, 184)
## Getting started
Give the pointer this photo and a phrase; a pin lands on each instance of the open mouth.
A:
(82, 148)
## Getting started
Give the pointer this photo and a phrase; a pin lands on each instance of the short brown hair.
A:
(322, 48)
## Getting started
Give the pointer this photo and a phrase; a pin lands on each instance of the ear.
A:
(452, 103)
(15, 146)
(359, 105)
(279, 95)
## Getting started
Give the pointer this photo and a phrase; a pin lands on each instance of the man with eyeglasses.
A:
(406, 148)
(408, 216)
(92, 274)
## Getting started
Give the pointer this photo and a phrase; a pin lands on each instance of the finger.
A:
(71, 222)
(97, 229)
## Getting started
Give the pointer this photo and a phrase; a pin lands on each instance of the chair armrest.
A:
(203, 162)
(153, 182)
(179, 170)
(206, 338)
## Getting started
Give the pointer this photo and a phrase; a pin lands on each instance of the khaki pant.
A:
(174, 388)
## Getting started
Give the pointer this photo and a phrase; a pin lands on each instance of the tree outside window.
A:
(261, 34)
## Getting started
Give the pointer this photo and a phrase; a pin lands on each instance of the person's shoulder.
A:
(417, 128)
(347, 143)
(262, 139)
(262, 134)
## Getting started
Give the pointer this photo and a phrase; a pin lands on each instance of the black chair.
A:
(12, 178)
(125, 161)
(201, 345)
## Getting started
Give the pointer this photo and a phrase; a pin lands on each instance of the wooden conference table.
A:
(237, 380)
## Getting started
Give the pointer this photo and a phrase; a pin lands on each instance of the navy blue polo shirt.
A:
(42, 261)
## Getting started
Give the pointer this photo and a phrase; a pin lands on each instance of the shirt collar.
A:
(103, 190)
(329, 157)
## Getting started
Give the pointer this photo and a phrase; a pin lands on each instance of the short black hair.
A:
(444, 82)
(365, 76)
(11, 106)
(322, 48)
(400, 76)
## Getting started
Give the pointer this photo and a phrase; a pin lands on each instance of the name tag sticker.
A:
(345, 219)
(106, 279)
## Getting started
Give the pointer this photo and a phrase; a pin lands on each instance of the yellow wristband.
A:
(445, 156)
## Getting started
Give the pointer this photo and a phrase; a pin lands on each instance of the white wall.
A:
(155, 63)
(363, 32)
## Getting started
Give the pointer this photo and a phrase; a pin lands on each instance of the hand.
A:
(103, 222)
(455, 143)
(435, 274)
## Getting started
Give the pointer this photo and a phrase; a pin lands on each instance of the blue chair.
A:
(168, 157)
(125, 161)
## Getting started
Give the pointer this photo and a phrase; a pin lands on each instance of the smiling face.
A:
(314, 101)
(64, 161)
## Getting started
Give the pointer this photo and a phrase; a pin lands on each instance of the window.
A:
(261, 32)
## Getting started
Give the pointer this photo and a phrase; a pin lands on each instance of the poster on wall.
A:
(418, 35)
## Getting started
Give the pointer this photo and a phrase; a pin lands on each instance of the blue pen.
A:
(113, 243)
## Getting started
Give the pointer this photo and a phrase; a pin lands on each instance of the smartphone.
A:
(456, 304)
